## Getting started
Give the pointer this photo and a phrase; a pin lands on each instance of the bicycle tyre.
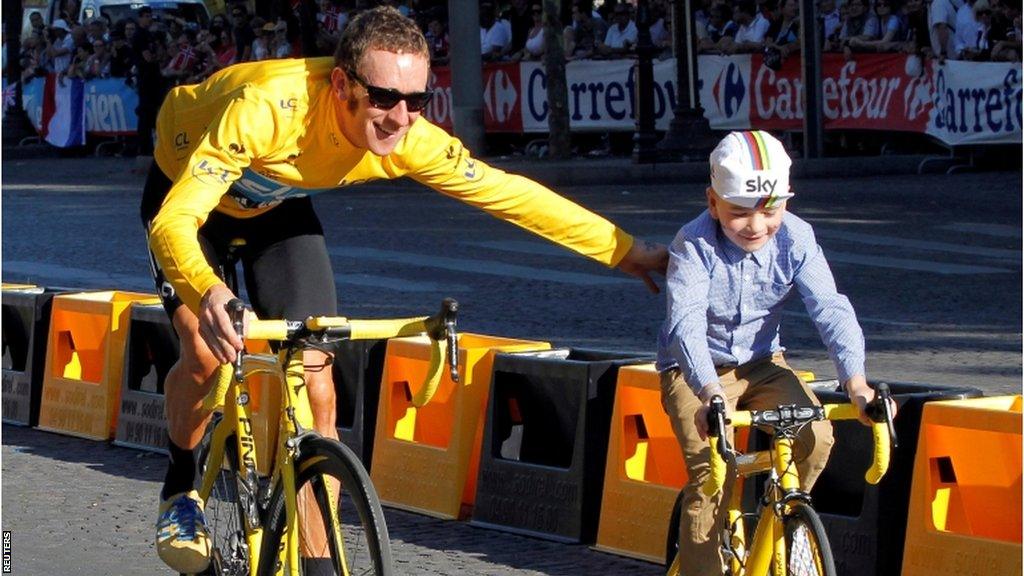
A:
(224, 513)
(367, 549)
(808, 552)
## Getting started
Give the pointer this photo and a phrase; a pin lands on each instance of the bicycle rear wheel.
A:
(807, 549)
(225, 516)
(345, 505)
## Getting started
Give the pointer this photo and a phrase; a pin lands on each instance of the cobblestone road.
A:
(931, 263)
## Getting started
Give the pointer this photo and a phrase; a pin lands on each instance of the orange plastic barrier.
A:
(965, 499)
(644, 471)
(84, 361)
(151, 349)
(426, 459)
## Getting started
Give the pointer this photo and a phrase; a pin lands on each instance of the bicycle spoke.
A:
(807, 549)
(802, 558)
(225, 523)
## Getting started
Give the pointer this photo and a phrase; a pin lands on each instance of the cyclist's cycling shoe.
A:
(182, 540)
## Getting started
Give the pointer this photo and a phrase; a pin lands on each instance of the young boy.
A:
(730, 271)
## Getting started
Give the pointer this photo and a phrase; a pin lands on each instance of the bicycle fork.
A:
(299, 424)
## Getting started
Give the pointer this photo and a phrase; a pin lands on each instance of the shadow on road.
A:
(461, 539)
(100, 456)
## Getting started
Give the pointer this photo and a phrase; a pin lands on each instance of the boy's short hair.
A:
(750, 169)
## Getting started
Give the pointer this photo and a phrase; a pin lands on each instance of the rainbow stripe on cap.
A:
(759, 160)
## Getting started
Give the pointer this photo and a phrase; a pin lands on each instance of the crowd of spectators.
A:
(178, 51)
(940, 29)
(596, 30)
(154, 50)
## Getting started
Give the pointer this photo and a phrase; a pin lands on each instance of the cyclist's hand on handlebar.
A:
(215, 325)
(643, 258)
(700, 418)
(862, 395)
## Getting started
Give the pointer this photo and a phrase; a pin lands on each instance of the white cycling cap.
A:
(751, 169)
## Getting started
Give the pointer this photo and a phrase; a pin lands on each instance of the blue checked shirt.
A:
(725, 305)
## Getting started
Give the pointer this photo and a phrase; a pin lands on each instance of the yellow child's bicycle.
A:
(317, 508)
(789, 538)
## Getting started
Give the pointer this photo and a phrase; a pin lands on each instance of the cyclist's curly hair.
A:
(382, 28)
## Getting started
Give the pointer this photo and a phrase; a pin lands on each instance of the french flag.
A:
(63, 122)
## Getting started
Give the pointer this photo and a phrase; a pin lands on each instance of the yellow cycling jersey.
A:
(255, 134)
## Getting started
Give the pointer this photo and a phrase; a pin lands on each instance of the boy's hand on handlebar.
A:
(215, 325)
(644, 257)
(700, 418)
(863, 395)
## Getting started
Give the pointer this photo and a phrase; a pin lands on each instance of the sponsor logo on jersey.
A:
(209, 173)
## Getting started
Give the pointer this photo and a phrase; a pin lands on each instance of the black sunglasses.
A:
(388, 98)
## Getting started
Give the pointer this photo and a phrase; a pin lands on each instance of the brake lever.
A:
(880, 409)
(449, 317)
(236, 309)
(716, 424)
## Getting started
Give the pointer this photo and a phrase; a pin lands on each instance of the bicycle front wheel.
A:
(807, 549)
(341, 523)
(224, 511)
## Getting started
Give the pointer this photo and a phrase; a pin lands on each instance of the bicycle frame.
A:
(783, 484)
(295, 420)
(768, 548)
(295, 416)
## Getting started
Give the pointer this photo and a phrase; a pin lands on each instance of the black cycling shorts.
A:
(284, 260)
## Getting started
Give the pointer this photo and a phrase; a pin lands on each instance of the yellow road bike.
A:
(317, 504)
(789, 538)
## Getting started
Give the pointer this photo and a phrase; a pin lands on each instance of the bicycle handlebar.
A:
(883, 431)
(719, 447)
(440, 328)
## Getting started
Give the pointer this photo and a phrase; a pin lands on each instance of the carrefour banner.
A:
(602, 95)
(724, 83)
(975, 103)
(874, 92)
(957, 103)
(501, 98)
(109, 106)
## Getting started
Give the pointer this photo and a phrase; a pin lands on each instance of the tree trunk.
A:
(559, 140)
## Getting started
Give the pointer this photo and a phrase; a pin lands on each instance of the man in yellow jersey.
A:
(238, 157)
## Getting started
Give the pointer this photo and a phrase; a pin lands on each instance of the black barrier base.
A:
(151, 349)
(26, 325)
(545, 443)
(867, 524)
(357, 370)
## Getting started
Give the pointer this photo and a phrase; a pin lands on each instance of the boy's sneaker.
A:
(182, 540)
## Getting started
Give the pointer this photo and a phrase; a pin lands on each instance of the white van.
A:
(114, 10)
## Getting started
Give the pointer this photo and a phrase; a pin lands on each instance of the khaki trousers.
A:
(759, 384)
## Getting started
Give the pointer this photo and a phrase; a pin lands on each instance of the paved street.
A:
(931, 263)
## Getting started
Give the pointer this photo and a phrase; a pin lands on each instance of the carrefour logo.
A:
(729, 90)
(500, 96)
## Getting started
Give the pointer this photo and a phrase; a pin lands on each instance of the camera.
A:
(772, 58)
